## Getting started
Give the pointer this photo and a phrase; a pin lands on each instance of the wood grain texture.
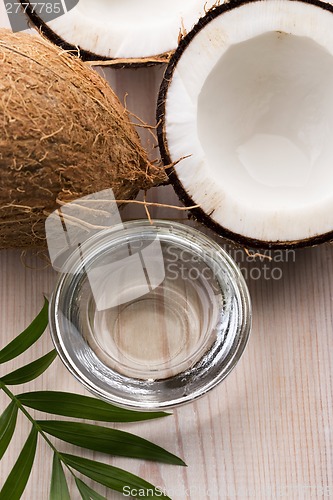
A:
(267, 431)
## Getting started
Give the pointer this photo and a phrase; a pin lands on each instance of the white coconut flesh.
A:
(251, 102)
(128, 28)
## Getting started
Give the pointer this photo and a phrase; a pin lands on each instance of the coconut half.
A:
(140, 30)
(247, 101)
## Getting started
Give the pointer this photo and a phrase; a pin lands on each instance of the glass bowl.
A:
(150, 316)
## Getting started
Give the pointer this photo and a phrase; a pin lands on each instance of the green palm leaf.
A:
(59, 487)
(27, 338)
(105, 440)
(85, 407)
(31, 371)
(7, 427)
(114, 478)
(19, 475)
(93, 437)
(86, 492)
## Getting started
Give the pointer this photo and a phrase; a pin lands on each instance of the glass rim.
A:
(120, 233)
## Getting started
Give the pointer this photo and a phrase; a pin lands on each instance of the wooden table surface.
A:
(264, 433)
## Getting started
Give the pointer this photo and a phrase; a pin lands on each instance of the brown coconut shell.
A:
(63, 135)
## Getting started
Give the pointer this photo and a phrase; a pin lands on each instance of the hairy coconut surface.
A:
(63, 135)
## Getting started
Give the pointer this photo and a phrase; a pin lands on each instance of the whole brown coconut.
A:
(63, 135)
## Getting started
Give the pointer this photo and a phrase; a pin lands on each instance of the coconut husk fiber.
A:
(63, 135)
